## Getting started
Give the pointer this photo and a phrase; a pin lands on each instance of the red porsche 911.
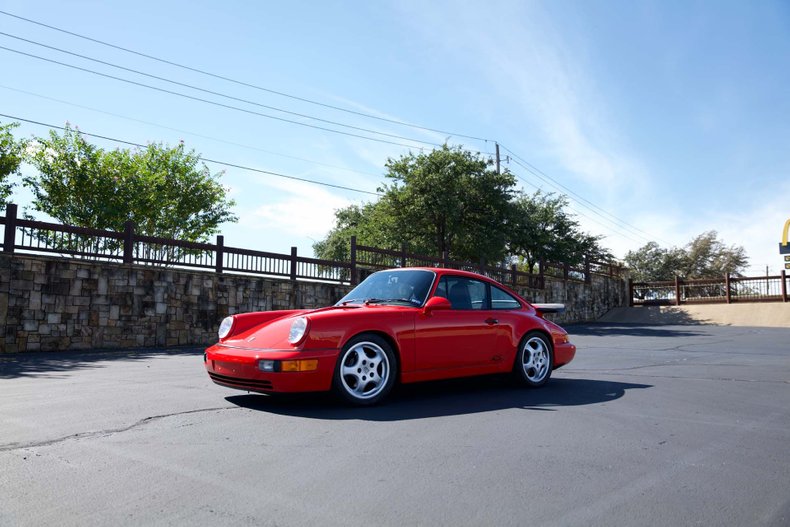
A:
(400, 325)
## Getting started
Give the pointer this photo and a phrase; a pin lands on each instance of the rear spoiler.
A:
(550, 308)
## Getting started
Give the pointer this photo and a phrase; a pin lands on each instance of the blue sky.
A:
(665, 119)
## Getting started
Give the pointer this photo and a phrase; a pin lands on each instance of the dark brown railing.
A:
(36, 237)
(727, 289)
(368, 259)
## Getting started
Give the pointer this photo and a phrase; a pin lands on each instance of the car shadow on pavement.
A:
(63, 363)
(445, 398)
(610, 329)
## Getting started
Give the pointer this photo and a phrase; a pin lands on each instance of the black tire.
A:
(534, 360)
(366, 370)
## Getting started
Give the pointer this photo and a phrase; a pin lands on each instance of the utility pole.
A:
(497, 158)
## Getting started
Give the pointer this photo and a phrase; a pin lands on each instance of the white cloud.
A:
(303, 210)
(755, 224)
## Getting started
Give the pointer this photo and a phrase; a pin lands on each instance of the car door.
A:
(465, 336)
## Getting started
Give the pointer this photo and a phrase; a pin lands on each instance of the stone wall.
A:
(49, 304)
(52, 304)
(583, 302)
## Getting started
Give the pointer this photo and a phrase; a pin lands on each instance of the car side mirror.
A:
(436, 303)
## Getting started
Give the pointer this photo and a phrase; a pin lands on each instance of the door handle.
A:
(491, 321)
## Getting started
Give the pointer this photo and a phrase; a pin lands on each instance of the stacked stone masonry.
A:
(50, 304)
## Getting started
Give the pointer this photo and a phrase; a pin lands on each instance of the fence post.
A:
(220, 253)
(482, 265)
(587, 277)
(128, 242)
(293, 264)
(677, 290)
(403, 254)
(513, 271)
(727, 286)
(445, 258)
(630, 293)
(10, 228)
(784, 286)
(541, 277)
(354, 276)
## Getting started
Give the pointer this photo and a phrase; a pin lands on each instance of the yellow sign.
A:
(783, 247)
(787, 258)
(787, 266)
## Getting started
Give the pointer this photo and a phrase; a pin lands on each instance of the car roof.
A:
(443, 271)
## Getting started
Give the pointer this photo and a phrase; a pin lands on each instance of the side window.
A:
(477, 292)
(502, 300)
(465, 293)
(441, 288)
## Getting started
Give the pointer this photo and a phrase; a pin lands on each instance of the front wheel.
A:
(534, 360)
(365, 371)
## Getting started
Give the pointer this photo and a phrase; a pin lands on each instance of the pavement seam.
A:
(10, 447)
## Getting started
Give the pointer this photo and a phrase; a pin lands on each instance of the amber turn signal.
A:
(299, 365)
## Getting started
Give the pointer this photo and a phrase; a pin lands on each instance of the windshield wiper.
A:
(388, 300)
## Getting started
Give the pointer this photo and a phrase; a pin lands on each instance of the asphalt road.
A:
(670, 425)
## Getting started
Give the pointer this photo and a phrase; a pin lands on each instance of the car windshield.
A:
(408, 287)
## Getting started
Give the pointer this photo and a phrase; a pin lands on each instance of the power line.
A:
(612, 225)
(208, 101)
(526, 165)
(589, 204)
(224, 141)
(207, 160)
(219, 94)
(261, 171)
(241, 83)
(577, 212)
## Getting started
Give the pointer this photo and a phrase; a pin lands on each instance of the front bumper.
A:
(238, 368)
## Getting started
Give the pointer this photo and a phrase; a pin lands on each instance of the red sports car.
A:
(401, 325)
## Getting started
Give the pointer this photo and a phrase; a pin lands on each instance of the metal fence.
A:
(727, 289)
(367, 259)
(35, 237)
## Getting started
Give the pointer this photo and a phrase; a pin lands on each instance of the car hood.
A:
(269, 330)
(327, 326)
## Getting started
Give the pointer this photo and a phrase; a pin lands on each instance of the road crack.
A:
(10, 447)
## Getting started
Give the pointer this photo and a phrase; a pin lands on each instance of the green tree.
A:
(542, 229)
(651, 262)
(368, 223)
(709, 257)
(166, 191)
(447, 200)
(705, 256)
(11, 155)
(450, 200)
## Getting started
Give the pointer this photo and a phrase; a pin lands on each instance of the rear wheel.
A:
(365, 371)
(534, 360)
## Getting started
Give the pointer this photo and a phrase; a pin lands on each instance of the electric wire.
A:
(218, 94)
(579, 213)
(276, 174)
(205, 159)
(187, 132)
(612, 225)
(517, 159)
(208, 101)
(242, 83)
(590, 205)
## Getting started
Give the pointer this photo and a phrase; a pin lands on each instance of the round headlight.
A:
(225, 326)
(298, 329)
